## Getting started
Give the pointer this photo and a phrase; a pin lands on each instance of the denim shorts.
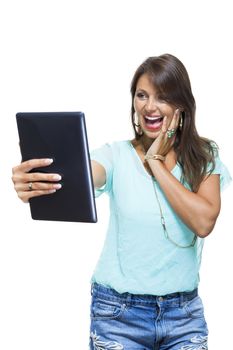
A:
(146, 322)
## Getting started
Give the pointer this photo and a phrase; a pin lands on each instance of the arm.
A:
(198, 210)
(98, 173)
(45, 183)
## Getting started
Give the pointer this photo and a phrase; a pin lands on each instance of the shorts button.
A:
(160, 299)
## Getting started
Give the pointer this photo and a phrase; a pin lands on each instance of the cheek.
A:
(137, 105)
(169, 112)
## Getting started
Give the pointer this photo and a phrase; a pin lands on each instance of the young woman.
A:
(164, 188)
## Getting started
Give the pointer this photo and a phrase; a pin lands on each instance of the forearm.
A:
(194, 210)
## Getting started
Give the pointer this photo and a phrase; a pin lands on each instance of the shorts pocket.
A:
(105, 309)
(194, 308)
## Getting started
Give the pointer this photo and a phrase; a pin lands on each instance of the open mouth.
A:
(153, 122)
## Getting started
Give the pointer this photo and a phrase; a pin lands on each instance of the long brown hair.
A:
(170, 78)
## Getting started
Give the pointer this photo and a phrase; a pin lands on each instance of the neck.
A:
(145, 143)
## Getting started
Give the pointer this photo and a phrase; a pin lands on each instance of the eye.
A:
(162, 99)
(141, 95)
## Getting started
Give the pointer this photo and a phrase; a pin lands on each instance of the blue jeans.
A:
(146, 322)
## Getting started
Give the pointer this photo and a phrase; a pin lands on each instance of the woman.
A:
(164, 189)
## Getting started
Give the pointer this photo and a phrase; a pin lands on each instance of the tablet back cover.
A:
(63, 137)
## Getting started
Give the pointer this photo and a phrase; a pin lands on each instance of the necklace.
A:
(166, 234)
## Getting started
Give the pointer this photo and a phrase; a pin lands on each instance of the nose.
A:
(151, 104)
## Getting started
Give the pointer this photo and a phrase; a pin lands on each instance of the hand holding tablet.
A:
(54, 144)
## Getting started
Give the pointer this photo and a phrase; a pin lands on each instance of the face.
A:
(150, 109)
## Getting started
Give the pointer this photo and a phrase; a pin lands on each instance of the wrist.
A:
(154, 157)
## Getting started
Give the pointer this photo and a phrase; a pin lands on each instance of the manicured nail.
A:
(48, 161)
(57, 186)
(56, 177)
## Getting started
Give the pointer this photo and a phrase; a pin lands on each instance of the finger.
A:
(175, 120)
(41, 177)
(28, 165)
(164, 125)
(23, 178)
(26, 195)
(37, 186)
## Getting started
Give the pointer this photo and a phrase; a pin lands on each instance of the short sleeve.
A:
(103, 156)
(221, 169)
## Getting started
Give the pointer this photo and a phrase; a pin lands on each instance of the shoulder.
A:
(214, 148)
(113, 147)
(110, 153)
(217, 167)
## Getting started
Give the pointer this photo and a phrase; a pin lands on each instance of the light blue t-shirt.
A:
(137, 257)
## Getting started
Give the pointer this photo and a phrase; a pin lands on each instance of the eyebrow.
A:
(142, 90)
(157, 95)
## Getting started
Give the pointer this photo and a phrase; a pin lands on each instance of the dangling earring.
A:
(181, 122)
(137, 125)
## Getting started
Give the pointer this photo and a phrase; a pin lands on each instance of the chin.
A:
(151, 134)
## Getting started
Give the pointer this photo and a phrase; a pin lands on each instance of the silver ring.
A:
(30, 186)
(171, 132)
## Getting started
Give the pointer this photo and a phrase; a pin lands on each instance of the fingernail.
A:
(57, 186)
(56, 177)
(48, 161)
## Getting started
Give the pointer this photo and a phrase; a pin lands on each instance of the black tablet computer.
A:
(61, 136)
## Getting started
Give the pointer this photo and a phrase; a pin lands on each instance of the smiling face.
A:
(150, 109)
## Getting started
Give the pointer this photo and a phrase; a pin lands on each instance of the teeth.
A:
(152, 118)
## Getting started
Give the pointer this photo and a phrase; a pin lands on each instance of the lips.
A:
(153, 122)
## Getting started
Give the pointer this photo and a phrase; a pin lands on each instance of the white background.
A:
(81, 55)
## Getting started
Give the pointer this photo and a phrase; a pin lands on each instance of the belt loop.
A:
(181, 299)
(128, 299)
(92, 287)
